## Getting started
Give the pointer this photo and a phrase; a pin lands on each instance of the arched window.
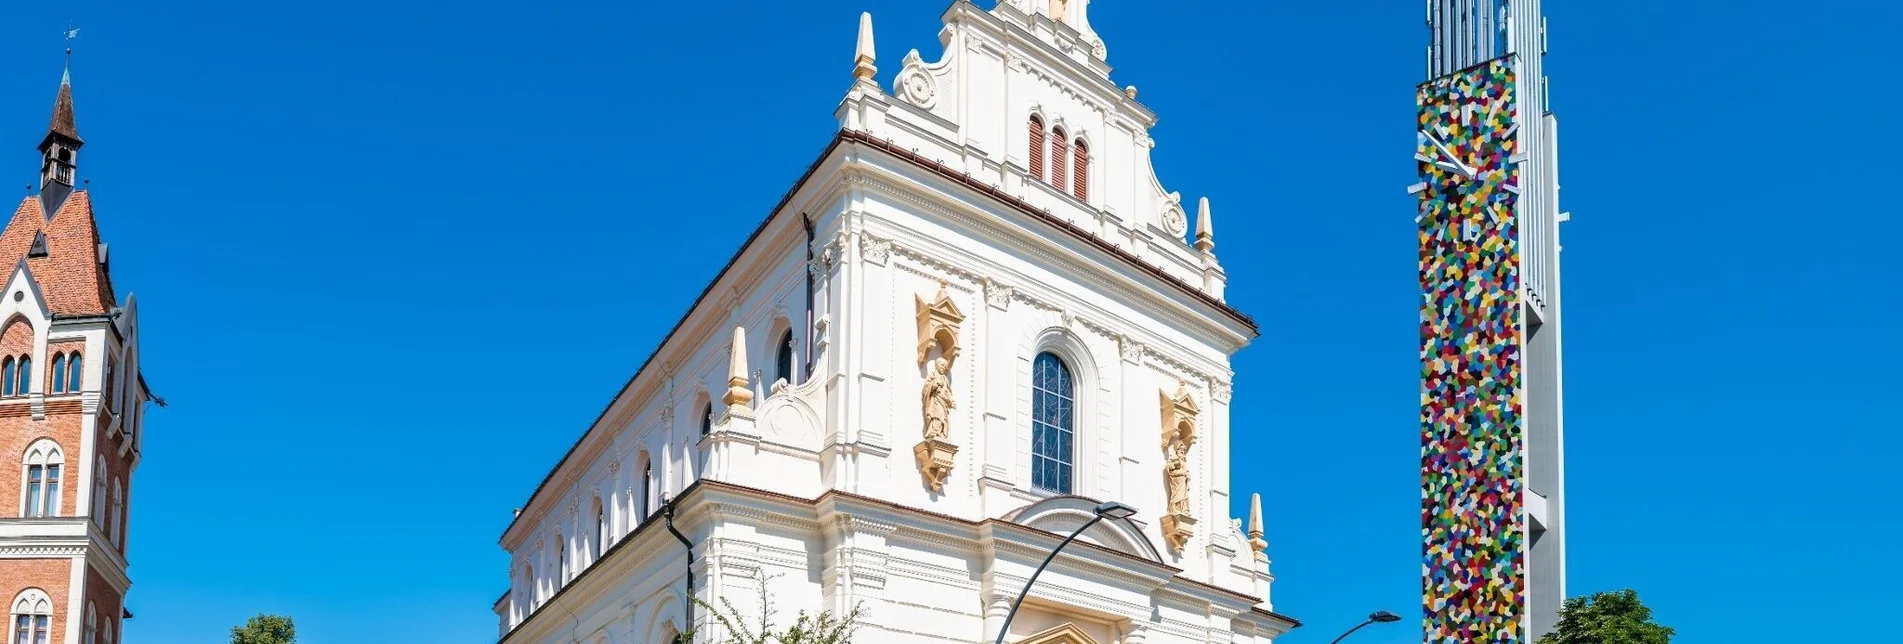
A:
(116, 519)
(1080, 171)
(1059, 149)
(1051, 424)
(92, 625)
(6, 376)
(73, 365)
(707, 419)
(561, 560)
(601, 531)
(99, 492)
(26, 374)
(32, 617)
(647, 490)
(783, 358)
(57, 384)
(1037, 148)
(43, 469)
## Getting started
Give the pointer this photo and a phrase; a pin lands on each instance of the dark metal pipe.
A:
(1006, 628)
(667, 514)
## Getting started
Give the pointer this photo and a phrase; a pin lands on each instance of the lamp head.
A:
(1115, 510)
(1384, 617)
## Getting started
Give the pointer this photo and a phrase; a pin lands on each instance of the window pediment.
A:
(1066, 634)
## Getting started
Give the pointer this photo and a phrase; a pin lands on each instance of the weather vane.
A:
(72, 34)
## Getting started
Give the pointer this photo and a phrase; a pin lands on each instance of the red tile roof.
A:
(70, 275)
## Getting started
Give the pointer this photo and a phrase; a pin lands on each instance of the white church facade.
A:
(976, 316)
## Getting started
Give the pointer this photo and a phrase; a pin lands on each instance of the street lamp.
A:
(1106, 510)
(1381, 616)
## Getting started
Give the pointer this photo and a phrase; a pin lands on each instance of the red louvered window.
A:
(1058, 153)
(1037, 148)
(1080, 181)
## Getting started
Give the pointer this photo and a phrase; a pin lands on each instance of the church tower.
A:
(71, 408)
(1492, 440)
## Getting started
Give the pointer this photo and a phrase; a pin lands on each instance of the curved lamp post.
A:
(1381, 616)
(1105, 510)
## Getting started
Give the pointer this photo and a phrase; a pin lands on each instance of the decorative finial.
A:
(738, 395)
(863, 68)
(1205, 234)
(1130, 91)
(1256, 542)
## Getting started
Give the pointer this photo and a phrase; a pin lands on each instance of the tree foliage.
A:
(265, 629)
(1607, 618)
(823, 627)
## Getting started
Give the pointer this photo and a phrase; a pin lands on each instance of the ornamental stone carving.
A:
(938, 322)
(1132, 350)
(915, 84)
(1173, 221)
(998, 295)
(1179, 413)
(875, 250)
(1219, 391)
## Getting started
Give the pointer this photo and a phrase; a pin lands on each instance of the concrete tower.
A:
(1493, 466)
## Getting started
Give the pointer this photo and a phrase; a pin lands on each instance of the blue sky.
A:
(331, 211)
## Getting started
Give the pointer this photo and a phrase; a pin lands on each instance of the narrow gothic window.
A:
(1080, 169)
(707, 420)
(647, 490)
(783, 358)
(43, 461)
(72, 373)
(561, 560)
(26, 374)
(1037, 148)
(1057, 158)
(116, 517)
(1051, 424)
(57, 384)
(92, 625)
(99, 492)
(6, 376)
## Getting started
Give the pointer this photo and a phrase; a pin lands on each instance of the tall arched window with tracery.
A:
(1059, 149)
(45, 467)
(32, 617)
(1037, 148)
(99, 492)
(1052, 424)
(1080, 171)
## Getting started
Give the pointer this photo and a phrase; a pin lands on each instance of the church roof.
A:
(71, 273)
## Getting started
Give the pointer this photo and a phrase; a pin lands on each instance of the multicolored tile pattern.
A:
(1472, 527)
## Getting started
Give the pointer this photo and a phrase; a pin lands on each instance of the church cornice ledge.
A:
(899, 241)
(961, 179)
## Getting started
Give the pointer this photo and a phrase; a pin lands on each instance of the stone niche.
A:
(938, 322)
(1179, 412)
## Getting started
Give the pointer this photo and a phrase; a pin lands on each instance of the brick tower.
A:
(71, 406)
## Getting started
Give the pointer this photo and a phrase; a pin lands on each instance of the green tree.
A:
(807, 628)
(265, 629)
(1607, 618)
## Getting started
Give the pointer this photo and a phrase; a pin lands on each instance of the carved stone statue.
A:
(937, 396)
(1176, 475)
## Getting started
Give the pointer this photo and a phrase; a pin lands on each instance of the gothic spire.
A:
(59, 151)
(63, 124)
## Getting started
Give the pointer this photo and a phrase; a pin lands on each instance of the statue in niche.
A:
(937, 396)
(1176, 475)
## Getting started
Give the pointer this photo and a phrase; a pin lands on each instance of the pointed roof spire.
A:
(1205, 234)
(738, 395)
(63, 123)
(1256, 542)
(862, 67)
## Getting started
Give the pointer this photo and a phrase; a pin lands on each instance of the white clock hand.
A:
(1453, 161)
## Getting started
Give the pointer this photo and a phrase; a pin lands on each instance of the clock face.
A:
(1472, 438)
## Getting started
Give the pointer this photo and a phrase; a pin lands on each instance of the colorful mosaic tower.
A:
(1492, 462)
